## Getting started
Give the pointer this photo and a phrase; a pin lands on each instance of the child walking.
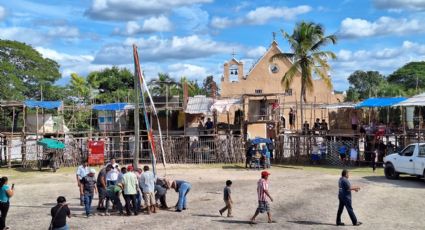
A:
(227, 199)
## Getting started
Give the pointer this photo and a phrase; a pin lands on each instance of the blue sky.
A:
(193, 38)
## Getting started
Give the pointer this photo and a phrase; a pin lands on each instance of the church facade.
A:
(265, 101)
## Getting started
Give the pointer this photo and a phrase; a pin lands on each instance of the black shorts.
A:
(354, 127)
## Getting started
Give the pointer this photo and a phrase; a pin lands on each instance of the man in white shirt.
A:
(112, 176)
(147, 183)
(82, 171)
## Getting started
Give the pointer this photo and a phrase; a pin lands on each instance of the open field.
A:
(305, 198)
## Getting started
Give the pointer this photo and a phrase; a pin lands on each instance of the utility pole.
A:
(136, 109)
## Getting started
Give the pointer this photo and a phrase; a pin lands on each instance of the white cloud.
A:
(354, 28)
(133, 9)
(384, 60)
(23, 35)
(2, 13)
(195, 19)
(190, 71)
(256, 52)
(80, 64)
(152, 24)
(155, 48)
(64, 31)
(415, 5)
(261, 16)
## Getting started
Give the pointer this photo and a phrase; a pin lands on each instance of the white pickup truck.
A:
(411, 160)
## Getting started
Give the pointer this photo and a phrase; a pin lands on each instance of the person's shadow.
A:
(308, 222)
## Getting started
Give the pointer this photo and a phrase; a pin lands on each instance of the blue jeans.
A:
(138, 200)
(65, 227)
(87, 202)
(183, 190)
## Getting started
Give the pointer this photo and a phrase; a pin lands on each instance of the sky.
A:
(194, 38)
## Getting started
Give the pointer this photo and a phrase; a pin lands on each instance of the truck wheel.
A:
(390, 172)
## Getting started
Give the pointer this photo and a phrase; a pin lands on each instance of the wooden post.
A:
(24, 138)
(137, 71)
(36, 131)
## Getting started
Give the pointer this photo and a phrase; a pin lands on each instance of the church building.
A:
(265, 102)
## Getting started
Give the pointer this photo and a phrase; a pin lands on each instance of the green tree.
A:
(114, 84)
(25, 73)
(410, 76)
(306, 42)
(364, 84)
(209, 86)
(79, 87)
(159, 86)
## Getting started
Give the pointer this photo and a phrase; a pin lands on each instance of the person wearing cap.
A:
(344, 197)
(88, 189)
(131, 185)
(263, 193)
(183, 188)
(82, 171)
(113, 194)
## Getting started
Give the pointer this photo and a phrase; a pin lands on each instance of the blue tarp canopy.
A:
(380, 102)
(43, 104)
(112, 107)
(259, 140)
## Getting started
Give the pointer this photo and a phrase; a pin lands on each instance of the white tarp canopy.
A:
(418, 100)
(224, 105)
(344, 105)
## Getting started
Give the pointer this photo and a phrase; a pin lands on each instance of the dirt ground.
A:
(305, 198)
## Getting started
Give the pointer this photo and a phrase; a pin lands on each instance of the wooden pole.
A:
(36, 131)
(136, 109)
(24, 138)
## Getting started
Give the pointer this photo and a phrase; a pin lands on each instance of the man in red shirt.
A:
(263, 193)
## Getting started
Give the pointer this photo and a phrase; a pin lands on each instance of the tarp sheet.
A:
(112, 107)
(380, 102)
(224, 105)
(43, 104)
(344, 105)
(418, 100)
(51, 143)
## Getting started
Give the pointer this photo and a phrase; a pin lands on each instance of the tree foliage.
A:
(306, 42)
(364, 84)
(410, 76)
(25, 73)
(113, 84)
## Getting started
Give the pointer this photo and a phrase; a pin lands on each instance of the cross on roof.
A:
(274, 36)
(233, 53)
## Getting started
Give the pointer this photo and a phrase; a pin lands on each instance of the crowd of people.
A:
(259, 155)
(135, 186)
(142, 184)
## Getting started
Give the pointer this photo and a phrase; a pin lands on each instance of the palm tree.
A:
(306, 41)
(160, 85)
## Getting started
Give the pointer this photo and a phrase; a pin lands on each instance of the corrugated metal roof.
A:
(199, 104)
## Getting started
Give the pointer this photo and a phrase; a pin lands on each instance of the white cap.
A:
(93, 171)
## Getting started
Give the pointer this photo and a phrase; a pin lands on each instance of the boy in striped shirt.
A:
(263, 193)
